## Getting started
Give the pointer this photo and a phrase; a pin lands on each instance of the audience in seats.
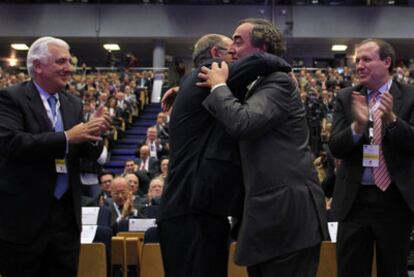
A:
(144, 179)
(162, 127)
(153, 198)
(164, 168)
(105, 182)
(156, 147)
(146, 163)
(133, 183)
(122, 205)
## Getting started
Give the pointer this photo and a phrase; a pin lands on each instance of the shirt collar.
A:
(385, 87)
(43, 94)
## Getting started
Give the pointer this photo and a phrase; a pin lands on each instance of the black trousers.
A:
(301, 263)
(54, 252)
(195, 245)
(380, 218)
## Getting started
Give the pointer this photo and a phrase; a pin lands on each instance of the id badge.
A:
(61, 166)
(370, 155)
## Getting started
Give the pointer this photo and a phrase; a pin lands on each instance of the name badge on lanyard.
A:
(61, 166)
(370, 155)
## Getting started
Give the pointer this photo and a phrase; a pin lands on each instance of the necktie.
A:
(143, 164)
(381, 176)
(62, 181)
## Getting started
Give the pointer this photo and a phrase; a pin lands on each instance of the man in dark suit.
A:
(147, 164)
(41, 143)
(284, 214)
(373, 131)
(204, 168)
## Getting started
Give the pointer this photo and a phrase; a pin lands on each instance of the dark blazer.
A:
(204, 170)
(397, 143)
(28, 149)
(153, 166)
(284, 208)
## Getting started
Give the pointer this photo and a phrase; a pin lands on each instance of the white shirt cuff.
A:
(216, 86)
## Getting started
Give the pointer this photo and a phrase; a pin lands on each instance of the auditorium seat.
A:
(327, 261)
(151, 262)
(92, 260)
(132, 256)
(119, 256)
(233, 269)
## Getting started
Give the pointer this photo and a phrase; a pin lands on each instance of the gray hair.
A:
(203, 46)
(39, 50)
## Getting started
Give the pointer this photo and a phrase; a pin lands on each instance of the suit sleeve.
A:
(17, 144)
(401, 136)
(341, 141)
(265, 109)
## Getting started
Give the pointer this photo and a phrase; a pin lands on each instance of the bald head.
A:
(211, 46)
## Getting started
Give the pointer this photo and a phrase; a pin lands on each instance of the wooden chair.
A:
(119, 254)
(132, 254)
(92, 260)
(139, 235)
(151, 262)
(327, 262)
(233, 269)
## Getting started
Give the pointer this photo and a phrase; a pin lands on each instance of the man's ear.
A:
(387, 62)
(214, 52)
(37, 66)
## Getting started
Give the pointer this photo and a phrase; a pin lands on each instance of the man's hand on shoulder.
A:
(214, 76)
(167, 100)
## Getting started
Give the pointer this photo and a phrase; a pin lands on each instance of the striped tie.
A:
(381, 176)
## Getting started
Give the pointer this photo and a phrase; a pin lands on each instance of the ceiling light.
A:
(20, 46)
(339, 47)
(112, 47)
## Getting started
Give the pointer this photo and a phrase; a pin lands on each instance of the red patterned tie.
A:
(381, 176)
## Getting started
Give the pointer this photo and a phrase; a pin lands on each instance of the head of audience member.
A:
(164, 167)
(144, 152)
(212, 46)
(155, 189)
(375, 60)
(120, 190)
(151, 134)
(105, 181)
(161, 118)
(133, 182)
(256, 35)
(303, 96)
(49, 63)
(130, 166)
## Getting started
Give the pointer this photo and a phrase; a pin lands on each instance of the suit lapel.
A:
(252, 87)
(66, 109)
(36, 105)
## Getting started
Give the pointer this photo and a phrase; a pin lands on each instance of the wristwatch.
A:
(392, 125)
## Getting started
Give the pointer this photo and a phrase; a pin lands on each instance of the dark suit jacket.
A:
(153, 166)
(397, 143)
(204, 171)
(28, 148)
(284, 208)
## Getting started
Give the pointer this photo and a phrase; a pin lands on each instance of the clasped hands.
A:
(360, 110)
(99, 123)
